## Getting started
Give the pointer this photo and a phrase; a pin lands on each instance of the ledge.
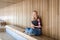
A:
(20, 31)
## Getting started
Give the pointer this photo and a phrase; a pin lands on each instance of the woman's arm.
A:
(39, 25)
(32, 26)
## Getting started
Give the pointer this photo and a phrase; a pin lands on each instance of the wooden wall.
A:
(49, 11)
(59, 22)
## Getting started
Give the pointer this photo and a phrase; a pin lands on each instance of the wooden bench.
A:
(20, 32)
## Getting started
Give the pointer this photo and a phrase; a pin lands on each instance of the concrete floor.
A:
(5, 36)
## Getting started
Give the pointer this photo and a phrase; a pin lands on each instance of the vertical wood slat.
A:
(50, 12)
(45, 16)
(54, 31)
(24, 13)
(59, 19)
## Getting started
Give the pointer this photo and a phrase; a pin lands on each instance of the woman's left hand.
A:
(38, 26)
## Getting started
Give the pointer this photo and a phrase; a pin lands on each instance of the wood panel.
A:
(53, 18)
(45, 17)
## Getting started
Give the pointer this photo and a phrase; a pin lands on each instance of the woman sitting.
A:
(35, 28)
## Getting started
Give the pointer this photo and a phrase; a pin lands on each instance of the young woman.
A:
(36, 24)
(36, 21)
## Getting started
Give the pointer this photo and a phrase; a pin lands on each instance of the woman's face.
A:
(34, 14)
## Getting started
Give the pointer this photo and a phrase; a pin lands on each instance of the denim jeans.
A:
(35, 31)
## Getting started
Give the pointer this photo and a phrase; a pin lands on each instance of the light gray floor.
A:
(5, 36)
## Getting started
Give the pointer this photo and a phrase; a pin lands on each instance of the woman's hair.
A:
(35, 11)
(36, 14)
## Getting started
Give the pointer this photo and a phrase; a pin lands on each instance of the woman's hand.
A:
(38, 26)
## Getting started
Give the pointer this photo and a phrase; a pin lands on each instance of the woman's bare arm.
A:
(39, 26)
(32, 26)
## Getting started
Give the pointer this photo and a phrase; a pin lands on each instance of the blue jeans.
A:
(35, 31)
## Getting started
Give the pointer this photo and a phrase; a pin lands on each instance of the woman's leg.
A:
(37, 31)
(27, 30)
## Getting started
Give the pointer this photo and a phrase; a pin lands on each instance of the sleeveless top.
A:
(35, 22)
